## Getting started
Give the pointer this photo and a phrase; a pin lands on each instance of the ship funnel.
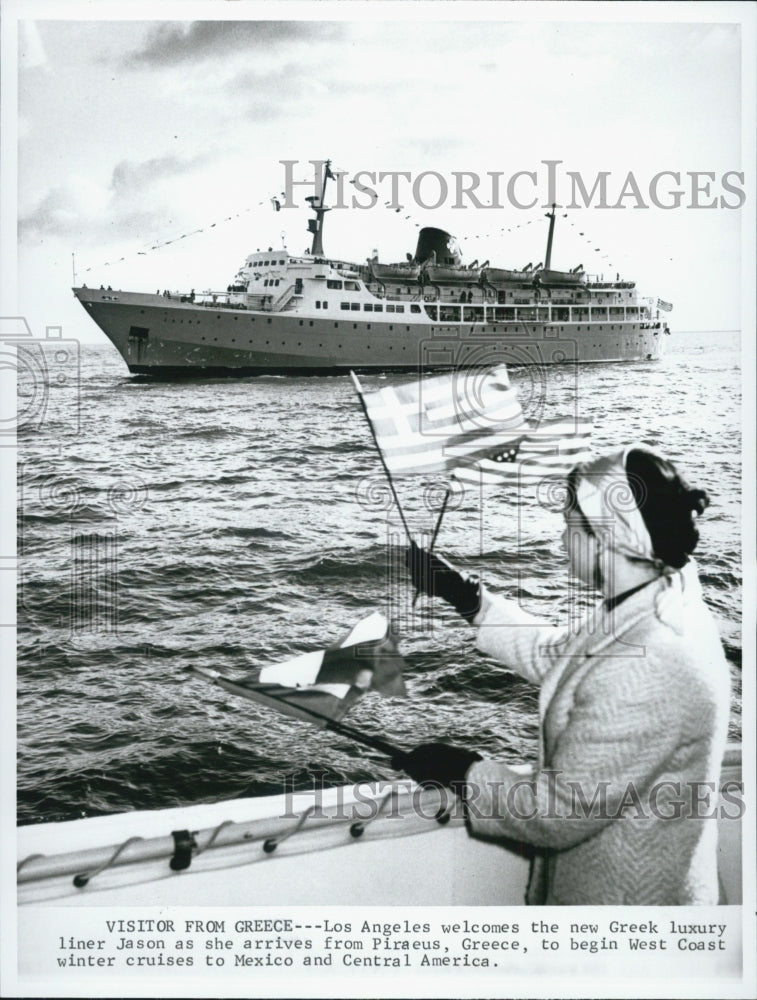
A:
(436, 241)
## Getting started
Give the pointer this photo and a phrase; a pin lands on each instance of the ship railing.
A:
(178, 296)
(545, 312)
(599, 281)
(217, 300)
(265, 302)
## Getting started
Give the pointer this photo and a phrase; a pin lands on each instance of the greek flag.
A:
(323, 685)
(417, 424)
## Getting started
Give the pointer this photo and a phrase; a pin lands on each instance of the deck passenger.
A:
(633, 704)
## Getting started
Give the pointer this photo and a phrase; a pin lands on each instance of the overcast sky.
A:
(132, 133)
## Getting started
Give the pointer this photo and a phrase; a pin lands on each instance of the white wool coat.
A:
(633, 707)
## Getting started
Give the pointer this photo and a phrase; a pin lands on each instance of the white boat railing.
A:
(223, 851)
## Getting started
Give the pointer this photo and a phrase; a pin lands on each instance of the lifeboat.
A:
(561, 278)
(445, 274)
(402, 272)
(500, 276)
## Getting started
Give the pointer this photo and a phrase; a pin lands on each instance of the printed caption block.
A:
(60, 942)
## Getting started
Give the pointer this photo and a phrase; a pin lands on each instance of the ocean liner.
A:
(314, 314)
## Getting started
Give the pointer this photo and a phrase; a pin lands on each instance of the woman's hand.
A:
(436, 763)
(436, 577)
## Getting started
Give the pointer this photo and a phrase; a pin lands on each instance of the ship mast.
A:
(548, 257)
(315, 226)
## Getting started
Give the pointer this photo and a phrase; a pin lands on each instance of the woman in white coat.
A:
(633, 704)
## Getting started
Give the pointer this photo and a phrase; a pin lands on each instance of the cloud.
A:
(68, 211)
(56, 212)
(86, 209)
(129, 177)
(171, 43)
(270, 93)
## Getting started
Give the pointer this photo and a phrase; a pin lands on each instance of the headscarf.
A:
(607, 501)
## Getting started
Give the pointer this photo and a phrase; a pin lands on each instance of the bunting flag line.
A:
(275, 202)
(322, 686)
(416, 424)
(159, 244)
(335, 173)
(551, 449)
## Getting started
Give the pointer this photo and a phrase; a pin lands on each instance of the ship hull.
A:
(170, 338)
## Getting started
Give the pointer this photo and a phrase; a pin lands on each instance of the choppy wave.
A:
(229, 524)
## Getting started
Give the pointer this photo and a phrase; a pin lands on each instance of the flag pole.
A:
(359, 390)
(439, 519)
(436, 532)
(367, 739)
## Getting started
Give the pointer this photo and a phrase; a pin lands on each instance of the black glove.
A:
(437, 578)
(436, 763)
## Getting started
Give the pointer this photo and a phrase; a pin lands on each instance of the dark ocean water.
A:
(233, 523)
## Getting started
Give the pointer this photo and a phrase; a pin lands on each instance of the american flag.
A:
(551, 449)
(417, 424)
